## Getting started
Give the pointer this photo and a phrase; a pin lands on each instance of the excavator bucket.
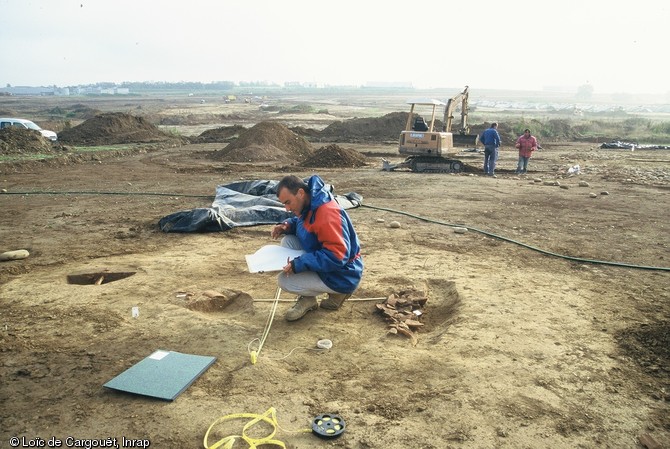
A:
(465, 140)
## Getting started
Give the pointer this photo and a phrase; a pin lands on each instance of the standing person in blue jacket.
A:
(332, 263)
(491, 140)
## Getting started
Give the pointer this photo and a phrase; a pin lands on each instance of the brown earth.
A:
(531, 336)
(115, 128)
(266, 142)
(221, 134)
(335, 156)
(27, 141)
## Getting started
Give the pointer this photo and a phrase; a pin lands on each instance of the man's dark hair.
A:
(293, 184)
(494, 125)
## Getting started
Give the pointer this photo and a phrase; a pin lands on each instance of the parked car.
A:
(22, 123)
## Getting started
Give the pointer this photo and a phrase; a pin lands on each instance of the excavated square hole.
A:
(98, 277)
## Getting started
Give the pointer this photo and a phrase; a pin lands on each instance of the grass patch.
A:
(26, 157)
(83, 149)
(579, 129)
(71, 151)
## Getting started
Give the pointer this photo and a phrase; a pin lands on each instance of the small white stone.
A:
(380, 220)
(14, 255)
(593, 195)
(394, 224)
(583, 184)
(460, 230)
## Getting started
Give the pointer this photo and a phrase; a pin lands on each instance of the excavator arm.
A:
(451, 107)
(463, 136)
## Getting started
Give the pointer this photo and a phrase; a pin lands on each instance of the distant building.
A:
(111, 90)
(28, 90)
(62, 91)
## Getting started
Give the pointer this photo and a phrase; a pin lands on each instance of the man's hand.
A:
(288, 268)
(279, 229)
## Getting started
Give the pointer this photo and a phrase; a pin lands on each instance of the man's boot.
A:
(303, 305)
(334, 300)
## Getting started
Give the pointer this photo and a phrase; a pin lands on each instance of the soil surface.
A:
(545, 298)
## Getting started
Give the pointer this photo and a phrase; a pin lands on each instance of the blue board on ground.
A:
(163, 374)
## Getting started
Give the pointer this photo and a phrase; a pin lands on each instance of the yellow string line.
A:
(294, 349)
(254, 354)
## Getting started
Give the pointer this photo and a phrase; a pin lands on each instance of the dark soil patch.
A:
(23, 141)
(387, 127)
(380, 129)
(336, 157)
(223, 134)
(266, 142)
(116, 128)
(76, 111)
(649, 346)
(310, 133)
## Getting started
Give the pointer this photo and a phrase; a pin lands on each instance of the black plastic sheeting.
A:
(633, 146)
(245, 203)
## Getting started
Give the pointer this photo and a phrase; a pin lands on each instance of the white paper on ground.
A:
(271, 258)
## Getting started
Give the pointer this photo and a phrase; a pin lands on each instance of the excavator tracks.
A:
(435, 165)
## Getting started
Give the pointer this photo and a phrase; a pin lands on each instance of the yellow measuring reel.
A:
(324, 426)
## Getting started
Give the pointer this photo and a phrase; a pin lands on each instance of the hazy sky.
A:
(515, 44)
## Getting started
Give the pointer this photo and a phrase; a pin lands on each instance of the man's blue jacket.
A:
(329, 239)
(490, 138)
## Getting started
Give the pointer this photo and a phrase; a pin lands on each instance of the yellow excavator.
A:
(428, 149)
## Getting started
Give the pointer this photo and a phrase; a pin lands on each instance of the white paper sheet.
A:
(158, 355)
(271, 258)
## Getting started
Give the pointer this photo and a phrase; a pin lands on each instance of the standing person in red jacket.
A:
(526, 145)
(332, 261)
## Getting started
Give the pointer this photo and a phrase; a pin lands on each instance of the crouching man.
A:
(332, 263)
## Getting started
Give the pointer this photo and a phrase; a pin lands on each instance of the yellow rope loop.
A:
(269, 417)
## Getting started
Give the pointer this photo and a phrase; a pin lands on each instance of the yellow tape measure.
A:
(269, 417)
(324, 426)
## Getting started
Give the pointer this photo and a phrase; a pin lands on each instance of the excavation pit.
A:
(98, 277)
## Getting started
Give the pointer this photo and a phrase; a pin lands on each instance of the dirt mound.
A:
(387, 127)
(115, 128)
(76, 111)
(307, 132)
(336, 157)
(222, 134)
(18, 140)
(266, 142)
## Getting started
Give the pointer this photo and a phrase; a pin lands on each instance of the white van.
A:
(21, 123)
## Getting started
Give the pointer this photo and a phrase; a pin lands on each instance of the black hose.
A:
(418, 217)
(548, 253)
